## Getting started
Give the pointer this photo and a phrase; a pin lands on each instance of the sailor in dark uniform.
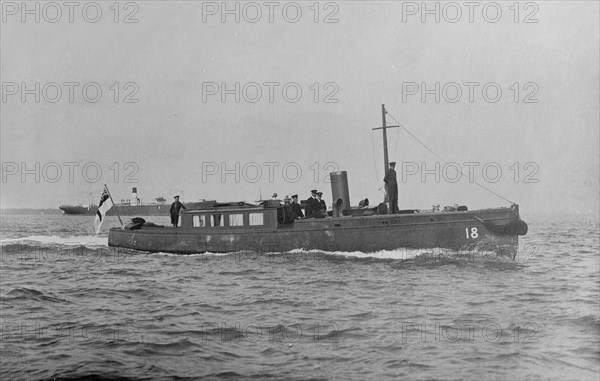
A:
(175, 208)
(322, 210)
(312, 205)
(296, 208)
(391, 187)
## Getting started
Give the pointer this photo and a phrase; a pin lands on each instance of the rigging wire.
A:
(446, 162)
(396, 143)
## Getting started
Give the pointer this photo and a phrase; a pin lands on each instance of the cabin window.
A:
(256, 219)
(199, 221)
(217, 220)
(236, 220)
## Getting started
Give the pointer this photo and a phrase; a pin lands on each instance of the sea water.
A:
(71, 307)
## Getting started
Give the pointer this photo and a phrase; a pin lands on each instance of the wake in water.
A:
(38, 246)
(87, 240)
(412, 256)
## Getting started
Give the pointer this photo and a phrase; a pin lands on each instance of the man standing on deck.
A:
(296, 208)
(312, 205)
(175, 208)
(391, 187)
(322, 210)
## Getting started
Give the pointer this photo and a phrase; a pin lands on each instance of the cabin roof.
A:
(226, 209)
(233, 206)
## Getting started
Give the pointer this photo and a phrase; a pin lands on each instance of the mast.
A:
(384, 128)
(385, 148)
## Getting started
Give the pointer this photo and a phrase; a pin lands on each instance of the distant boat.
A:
(128, 207)
(268, 227)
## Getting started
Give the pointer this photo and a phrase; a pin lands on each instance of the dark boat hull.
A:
(452, 230)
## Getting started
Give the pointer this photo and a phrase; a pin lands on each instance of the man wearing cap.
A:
(175, 208)
(322, 209)
(296, 208)
(312, 205)
(391, 187)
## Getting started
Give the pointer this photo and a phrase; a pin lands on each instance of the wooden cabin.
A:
(237, 216)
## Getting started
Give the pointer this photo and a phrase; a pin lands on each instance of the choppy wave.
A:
(30, 294)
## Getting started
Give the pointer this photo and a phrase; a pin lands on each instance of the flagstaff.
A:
(115, 205)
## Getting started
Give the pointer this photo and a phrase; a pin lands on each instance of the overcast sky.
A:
(175, 124)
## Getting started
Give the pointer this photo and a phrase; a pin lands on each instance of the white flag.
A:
(103, 207)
